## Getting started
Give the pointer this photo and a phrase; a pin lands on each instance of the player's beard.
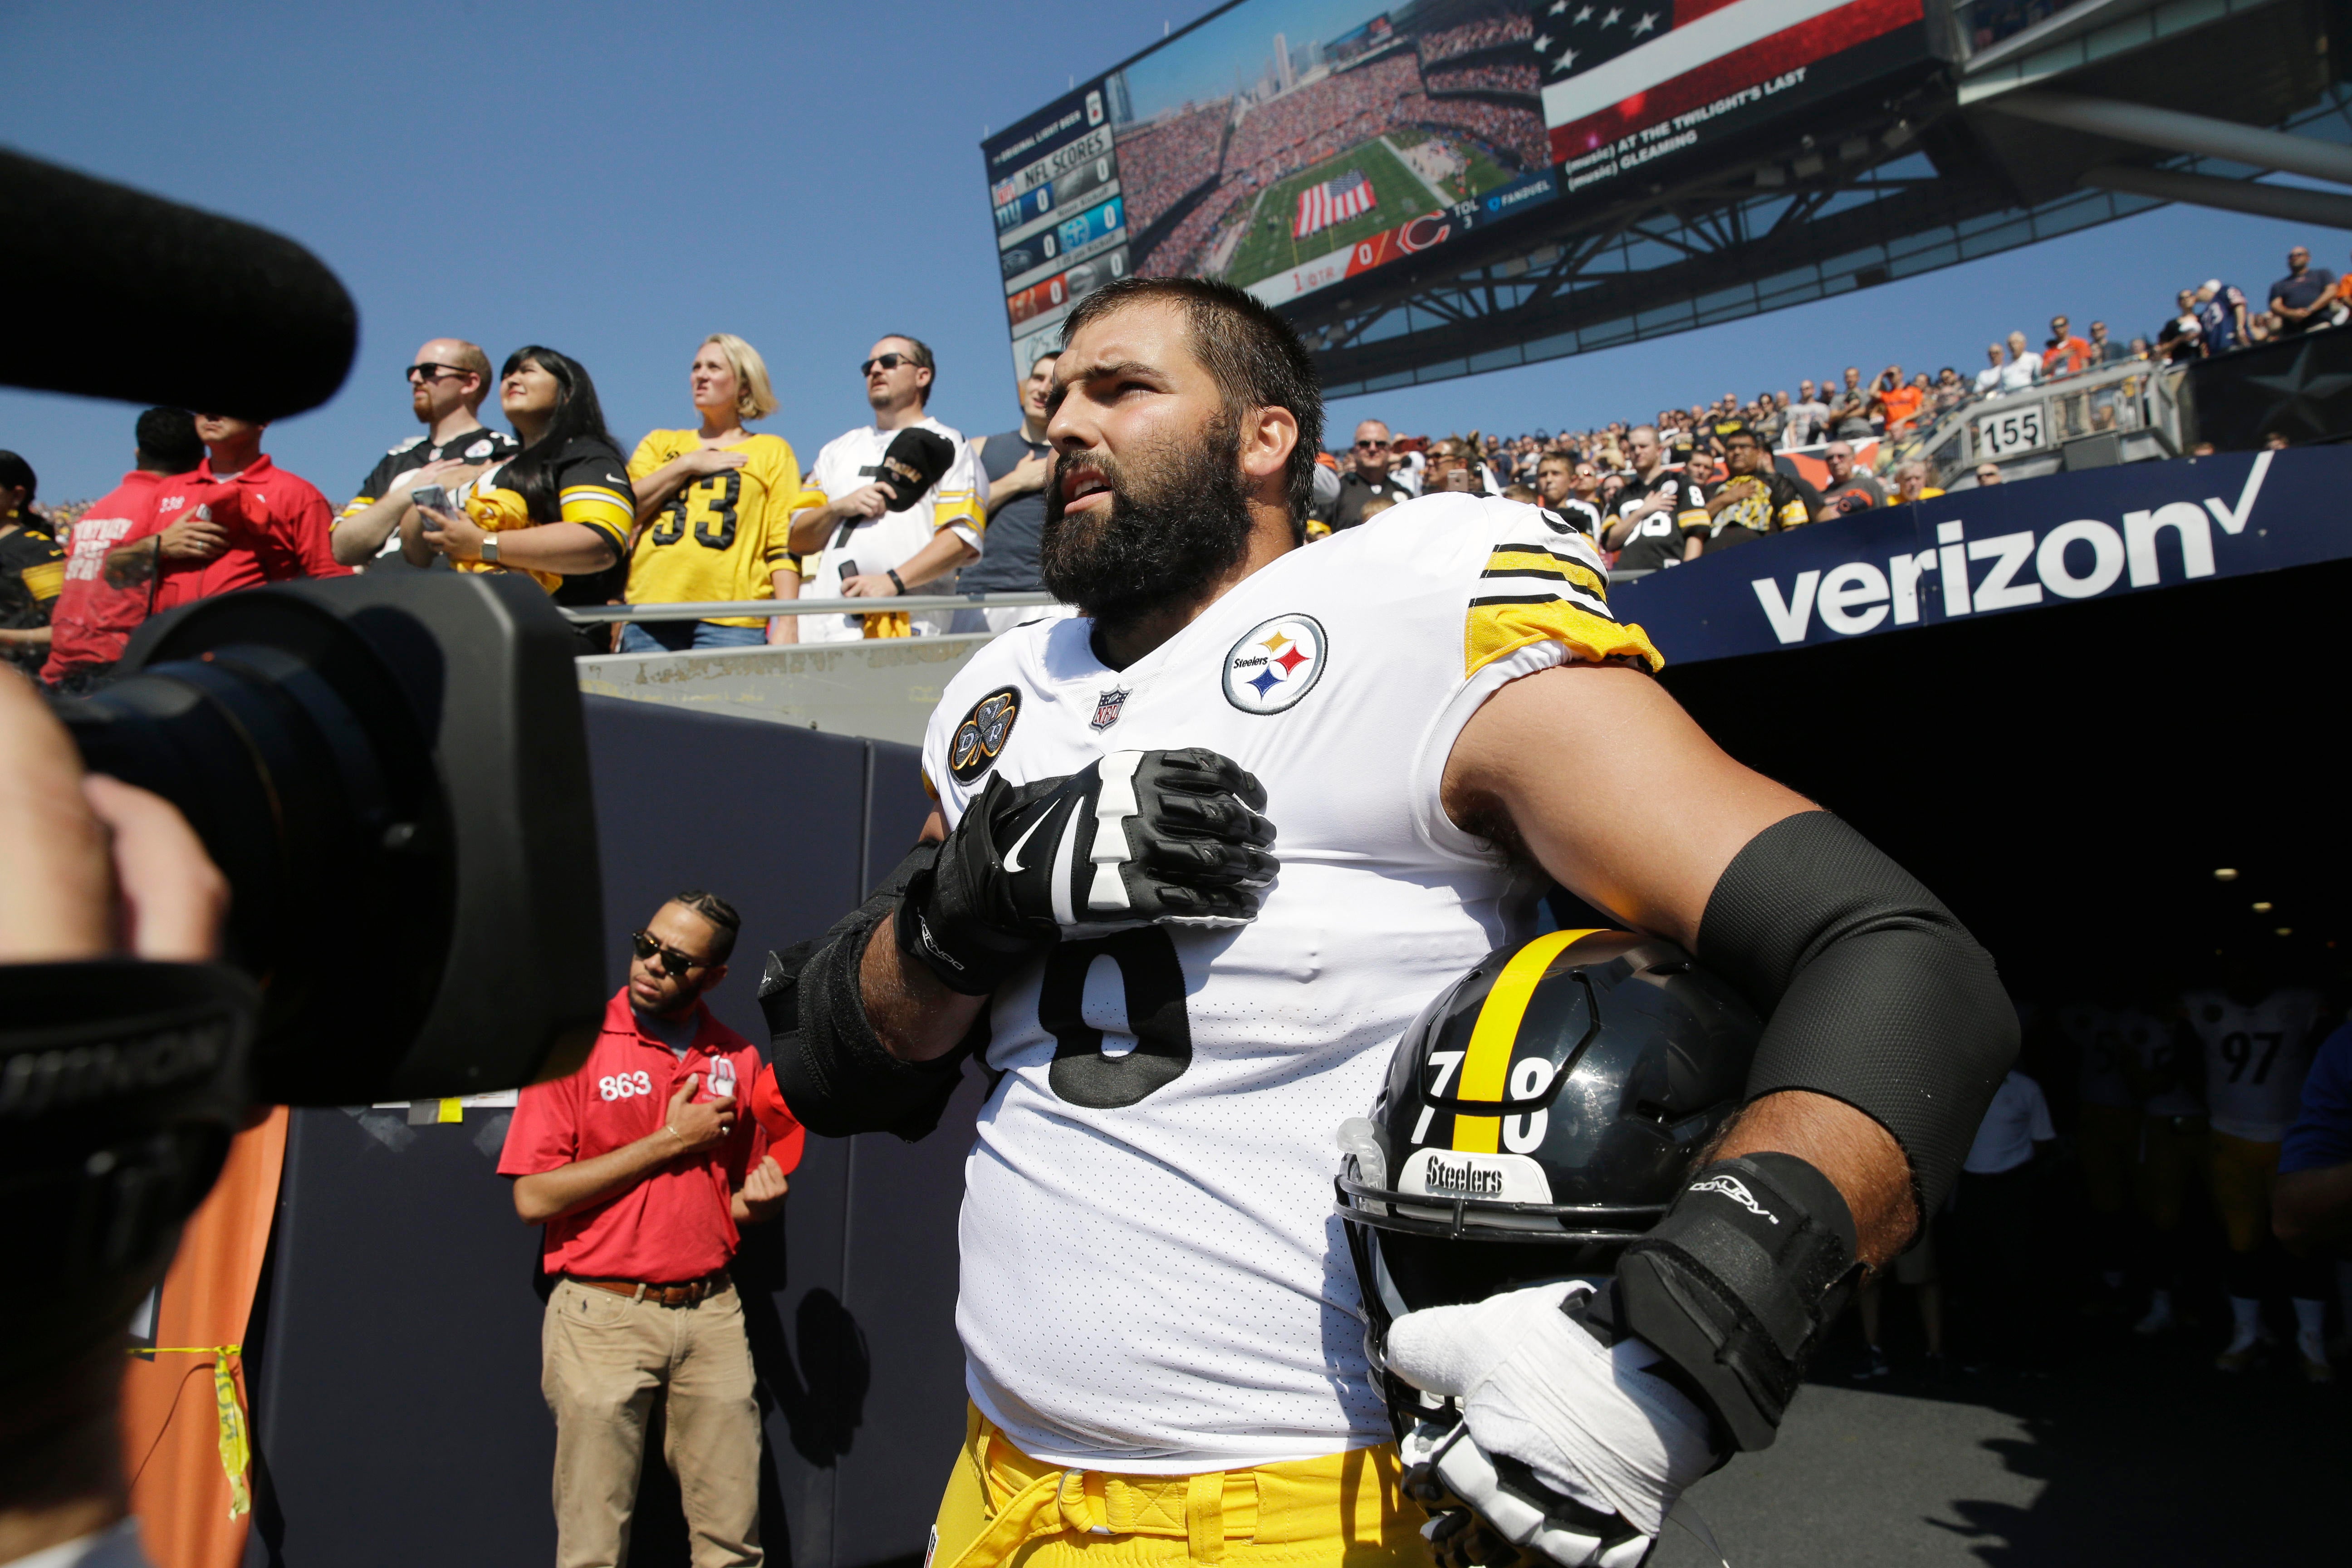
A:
(1178, 521)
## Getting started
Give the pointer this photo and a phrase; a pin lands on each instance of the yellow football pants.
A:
(2241, 1172)
(1004, 1508)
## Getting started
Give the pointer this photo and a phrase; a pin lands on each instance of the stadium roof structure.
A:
(2052, 128)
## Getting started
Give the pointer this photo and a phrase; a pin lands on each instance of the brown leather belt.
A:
(681, 1295)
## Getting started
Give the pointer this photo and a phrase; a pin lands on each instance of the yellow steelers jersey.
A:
(591, 489)
(722, 537)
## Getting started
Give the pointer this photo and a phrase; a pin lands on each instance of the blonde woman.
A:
(714, 509)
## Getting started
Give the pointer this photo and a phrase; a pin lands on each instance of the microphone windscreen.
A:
(115, 293)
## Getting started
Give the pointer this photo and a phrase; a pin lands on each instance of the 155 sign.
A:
(2013, 430)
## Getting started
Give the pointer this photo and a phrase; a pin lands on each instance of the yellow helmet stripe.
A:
(1486, 1066)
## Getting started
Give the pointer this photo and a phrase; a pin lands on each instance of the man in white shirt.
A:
(856, 545)
(1994, 1210)
(2023, 369)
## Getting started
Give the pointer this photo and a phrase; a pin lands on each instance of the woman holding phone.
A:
(560, 510)
(714, 511)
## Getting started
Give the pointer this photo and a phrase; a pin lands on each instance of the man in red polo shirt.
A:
(273, 525)
(95, 616)
(642, 1165)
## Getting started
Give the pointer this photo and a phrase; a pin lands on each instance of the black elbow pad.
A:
(831, 1068)
(1873, 992)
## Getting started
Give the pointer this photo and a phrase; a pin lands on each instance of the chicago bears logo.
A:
(1276, 663)
(983, 733)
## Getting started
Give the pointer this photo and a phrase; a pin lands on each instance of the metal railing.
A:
(2126, 399)
(769, 609)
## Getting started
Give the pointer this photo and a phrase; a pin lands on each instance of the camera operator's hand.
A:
(697, 1127)
(90, 866)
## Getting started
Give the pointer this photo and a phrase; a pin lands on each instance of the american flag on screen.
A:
(1333, 201)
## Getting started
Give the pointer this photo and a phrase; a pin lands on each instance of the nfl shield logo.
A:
(1107, 707)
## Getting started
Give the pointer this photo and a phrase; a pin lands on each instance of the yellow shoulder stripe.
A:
(1500, 629)
(1550, 562)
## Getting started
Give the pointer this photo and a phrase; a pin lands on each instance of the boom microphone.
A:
(124, 295)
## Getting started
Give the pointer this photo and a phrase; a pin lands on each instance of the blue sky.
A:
(618, 181)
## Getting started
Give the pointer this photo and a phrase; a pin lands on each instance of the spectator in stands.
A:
(2064, 353)
(560, 510)
(1988, 383)
(247, 521)
(1993, 1213)
(1658, 509)
(714, 508)
(1894, 403)
(1771, 417)
(864, 549)
(2140, 350)
(1374, 507)
(1850, 411)
(2023, 369)
(1755, 500)
(445, 388)
(1368, 477)
(1571, 487)
(2222, 313)
(32, 567)
(1808, 419)
(1949, 392)
(1988, 474)
(1018, 463)
(1915, 479)
(2105, 350)
(643, 1191)
(1851, 489)
(94, 615)
(2299, 300)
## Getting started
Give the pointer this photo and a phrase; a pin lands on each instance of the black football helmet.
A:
(1540, 1114)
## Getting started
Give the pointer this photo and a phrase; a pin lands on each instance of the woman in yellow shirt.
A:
(714, 511)
(559, 509)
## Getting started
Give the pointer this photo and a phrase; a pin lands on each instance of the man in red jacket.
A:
(267, 525)
(94, 615)
(641, 1166)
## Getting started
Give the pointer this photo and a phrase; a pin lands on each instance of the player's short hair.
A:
(470, 358)
(721, 915)
(1253, 356)
(17, 474)
(923, 358)
(167, 440)
(755, 397)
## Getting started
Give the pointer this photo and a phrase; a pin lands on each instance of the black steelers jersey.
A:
(1658, 538)
(479, 445)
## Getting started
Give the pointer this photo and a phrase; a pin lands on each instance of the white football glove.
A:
(1567, 1447)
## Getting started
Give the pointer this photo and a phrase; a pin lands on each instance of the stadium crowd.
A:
(1161, 163)
(1486, 33)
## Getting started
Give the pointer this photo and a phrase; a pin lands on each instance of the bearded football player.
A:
(1212, 853)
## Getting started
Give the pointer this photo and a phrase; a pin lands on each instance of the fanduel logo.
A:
(2077, 560)
(1735, 1189)
(1465, 1179)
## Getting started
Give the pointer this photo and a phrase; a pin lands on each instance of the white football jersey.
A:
(1153, 1279)
(853, 460)
(2255, 1057)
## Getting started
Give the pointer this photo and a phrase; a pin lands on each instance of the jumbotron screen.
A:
(1287, 145)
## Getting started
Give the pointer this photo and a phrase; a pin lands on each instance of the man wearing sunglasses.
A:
(1368, 478)
(863, 540)
(446, 384)
(641, 1166)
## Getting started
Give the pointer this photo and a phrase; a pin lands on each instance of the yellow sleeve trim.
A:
(946, 514)
(358, 504)
(43, 580)
(1549, 564)
(1696, 518)
(1498, 630)
(600, 509)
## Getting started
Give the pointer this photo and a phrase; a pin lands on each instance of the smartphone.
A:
(430, 497)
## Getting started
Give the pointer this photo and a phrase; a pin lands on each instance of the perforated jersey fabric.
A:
(1153, 1280)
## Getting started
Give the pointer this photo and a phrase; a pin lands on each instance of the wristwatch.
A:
(490, 548)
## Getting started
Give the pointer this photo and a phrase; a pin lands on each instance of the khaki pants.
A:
(604, 1359)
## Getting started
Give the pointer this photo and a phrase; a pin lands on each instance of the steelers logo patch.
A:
(1276, 663)
(983, 733)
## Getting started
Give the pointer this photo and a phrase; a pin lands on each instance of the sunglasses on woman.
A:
(674, 962)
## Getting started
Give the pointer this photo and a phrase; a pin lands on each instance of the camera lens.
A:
(292, 744)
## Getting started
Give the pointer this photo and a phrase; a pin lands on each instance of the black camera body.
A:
(393, 774)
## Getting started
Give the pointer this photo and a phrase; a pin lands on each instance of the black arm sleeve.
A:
(830, 1067)
(1874, 994)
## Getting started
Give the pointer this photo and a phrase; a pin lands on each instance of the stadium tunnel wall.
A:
(394, 1355)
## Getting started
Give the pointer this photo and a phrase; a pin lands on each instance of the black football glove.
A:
(1135, 838)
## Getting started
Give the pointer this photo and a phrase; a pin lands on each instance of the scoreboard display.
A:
(1285, 146)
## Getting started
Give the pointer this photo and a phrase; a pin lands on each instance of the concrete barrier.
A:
(883, 689)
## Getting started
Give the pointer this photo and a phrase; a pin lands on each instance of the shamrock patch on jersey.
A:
(980, 735)
(1276, 663)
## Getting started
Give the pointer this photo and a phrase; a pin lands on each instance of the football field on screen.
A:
(1269, 248)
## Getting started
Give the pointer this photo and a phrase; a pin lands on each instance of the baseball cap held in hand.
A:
(914, 463)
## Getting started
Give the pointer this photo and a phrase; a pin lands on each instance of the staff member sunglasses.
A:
(674, 962)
